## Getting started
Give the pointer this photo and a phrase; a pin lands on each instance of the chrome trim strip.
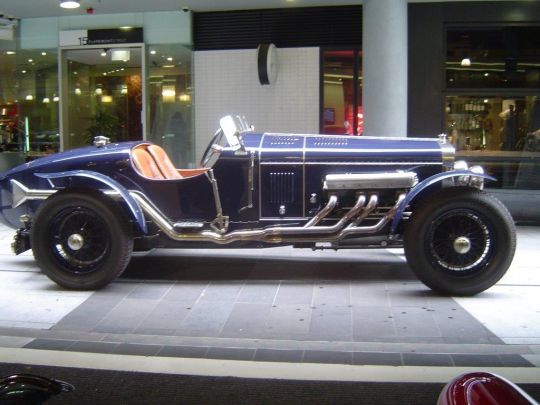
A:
(21, 193)
(389, 138)
(363, 163)
(351, 150)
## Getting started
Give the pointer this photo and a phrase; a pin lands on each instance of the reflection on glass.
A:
(501, 133)
(9, 111)
(103, 94)
(36, 130)
(503, 57)
(342, 92)
(169, 94)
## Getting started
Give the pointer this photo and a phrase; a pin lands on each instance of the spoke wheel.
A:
(460, 241)
(81, 240)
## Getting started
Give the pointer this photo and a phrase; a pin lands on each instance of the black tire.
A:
(80, 240)
(460, 241)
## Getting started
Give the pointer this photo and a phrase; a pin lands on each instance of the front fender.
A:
(133, 205)
(429, 182)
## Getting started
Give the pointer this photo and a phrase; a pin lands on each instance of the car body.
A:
(84, 211)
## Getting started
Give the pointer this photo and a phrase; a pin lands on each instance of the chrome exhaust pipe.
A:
(275, 235)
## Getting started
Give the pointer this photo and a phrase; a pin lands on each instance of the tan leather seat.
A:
(145, 164)
(163, 162)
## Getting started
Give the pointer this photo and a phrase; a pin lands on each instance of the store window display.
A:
(502, 133)
(492, 108)
(342, 92)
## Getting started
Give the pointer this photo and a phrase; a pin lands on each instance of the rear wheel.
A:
(460, 242)
(80, 241)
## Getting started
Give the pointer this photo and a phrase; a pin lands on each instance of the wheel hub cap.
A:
(462, 245)
(75, 241)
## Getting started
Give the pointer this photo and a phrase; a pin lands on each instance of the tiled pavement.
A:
(279, 304)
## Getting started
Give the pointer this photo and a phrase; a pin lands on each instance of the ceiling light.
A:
(103, 53)
(43, 53)
(169, 59)
(70, 3)
(10, 52)
(152, 52)
(465, 62)
(120, 54)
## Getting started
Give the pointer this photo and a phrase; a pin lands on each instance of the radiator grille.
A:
(282, 187)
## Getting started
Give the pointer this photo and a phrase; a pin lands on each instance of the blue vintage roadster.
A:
(84, 211)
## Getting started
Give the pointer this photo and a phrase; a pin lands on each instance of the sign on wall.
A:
(101, 36)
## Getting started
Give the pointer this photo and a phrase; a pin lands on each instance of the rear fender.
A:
(132, 204)
(420, 187)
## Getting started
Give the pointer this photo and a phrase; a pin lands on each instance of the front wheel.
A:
(80, 240)
(460, 242)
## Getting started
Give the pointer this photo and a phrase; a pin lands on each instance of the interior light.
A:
(23, 71)
(103, 53)
(30, 60)
(168, 93)
(99, 91)
(465, 62)
(70, 3)
(56, 99)
(43, 53)
(106, 99)
(78, 91)
(486, 74)
(29, 97)
(10, 52)
(486, 100)
(46, 100)
(169, 59)
(124, 90)
(126, 27)
(184, 97)
(152, 52)
(167, 66)
(120, 54)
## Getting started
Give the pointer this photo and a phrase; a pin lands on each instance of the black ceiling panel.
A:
(290, 27)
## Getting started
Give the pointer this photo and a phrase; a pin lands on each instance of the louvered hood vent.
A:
(282, 187)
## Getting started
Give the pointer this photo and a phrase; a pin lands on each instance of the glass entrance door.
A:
(102, 95)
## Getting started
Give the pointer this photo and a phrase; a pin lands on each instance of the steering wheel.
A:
(213, 149)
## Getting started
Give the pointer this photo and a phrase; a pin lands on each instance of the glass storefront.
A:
(170, 101)
(342, 92)
(103, 95)
(38, 99)
(500, 133)
(492, 107)
(57, 95)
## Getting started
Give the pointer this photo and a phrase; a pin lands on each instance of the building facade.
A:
(385, 68)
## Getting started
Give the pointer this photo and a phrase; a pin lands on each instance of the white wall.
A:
(226, 82)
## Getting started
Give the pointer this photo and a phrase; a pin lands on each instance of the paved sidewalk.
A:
(278, 304)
